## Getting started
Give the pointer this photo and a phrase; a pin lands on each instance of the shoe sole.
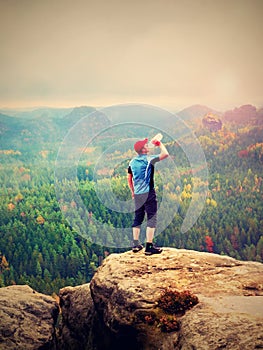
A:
(137, 250)
(150, 253)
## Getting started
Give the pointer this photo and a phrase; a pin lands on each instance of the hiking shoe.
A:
(137, 248)
(152, 250)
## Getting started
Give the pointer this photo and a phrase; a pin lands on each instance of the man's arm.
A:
(130, 183)
(164, 153)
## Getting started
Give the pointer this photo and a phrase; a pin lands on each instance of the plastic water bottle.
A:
(157, 137)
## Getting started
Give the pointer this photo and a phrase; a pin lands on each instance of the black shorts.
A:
(145, 203)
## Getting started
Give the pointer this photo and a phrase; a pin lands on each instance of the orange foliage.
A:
(40, 220)
(73, 204)
(87, 149)
(4, 265)
(209, 244)
(10, 206)
(64, 207)
(19, 197)
(26, 177)
(44, 153)
(9, 151)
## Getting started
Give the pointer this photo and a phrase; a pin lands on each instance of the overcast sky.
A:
(168, 53)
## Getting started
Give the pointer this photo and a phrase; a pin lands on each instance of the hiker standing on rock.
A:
(141, 183)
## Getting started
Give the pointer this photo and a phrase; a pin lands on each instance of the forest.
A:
(49, 240)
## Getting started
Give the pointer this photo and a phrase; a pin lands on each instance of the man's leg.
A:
(151, 210)
(150, 248)
(138, 219)
(150, 234)
(136, 244)
(136, 233)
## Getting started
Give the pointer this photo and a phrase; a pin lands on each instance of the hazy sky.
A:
(168, 53)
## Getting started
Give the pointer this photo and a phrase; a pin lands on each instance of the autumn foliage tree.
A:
(209, 244)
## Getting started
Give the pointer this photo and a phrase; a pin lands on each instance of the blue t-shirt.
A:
(142, 170)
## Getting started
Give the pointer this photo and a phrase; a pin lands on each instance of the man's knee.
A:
(138, 220)
(152, 221)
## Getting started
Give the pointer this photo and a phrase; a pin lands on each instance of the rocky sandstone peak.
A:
(120, 308)
(125, 291)
(212, 122)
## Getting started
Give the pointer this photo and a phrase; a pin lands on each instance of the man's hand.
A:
(156, 143)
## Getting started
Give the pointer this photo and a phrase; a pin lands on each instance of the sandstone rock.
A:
(78, 316)
(27, 319)
(229, 314)
(119, 308)
(212, 122)
(242, 115)
(226, 322)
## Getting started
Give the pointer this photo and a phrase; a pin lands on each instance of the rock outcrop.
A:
(27, 319)
(212, 122)
(119, 308)
(242, 115)
(80, 328)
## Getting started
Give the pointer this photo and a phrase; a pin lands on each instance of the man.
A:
(141, 183)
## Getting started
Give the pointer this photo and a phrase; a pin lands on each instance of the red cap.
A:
(138, 146)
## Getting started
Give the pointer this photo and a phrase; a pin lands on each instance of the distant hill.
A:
(136, 113)
(245, 114)
(71, 118)
(6, 120)
(151, 114)
(196, 111)
(21, 133)
(43, 127)
(10, 128)
(44, 112)
(46, 127)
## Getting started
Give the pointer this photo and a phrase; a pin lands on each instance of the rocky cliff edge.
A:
(124, 296)
(121, 309)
